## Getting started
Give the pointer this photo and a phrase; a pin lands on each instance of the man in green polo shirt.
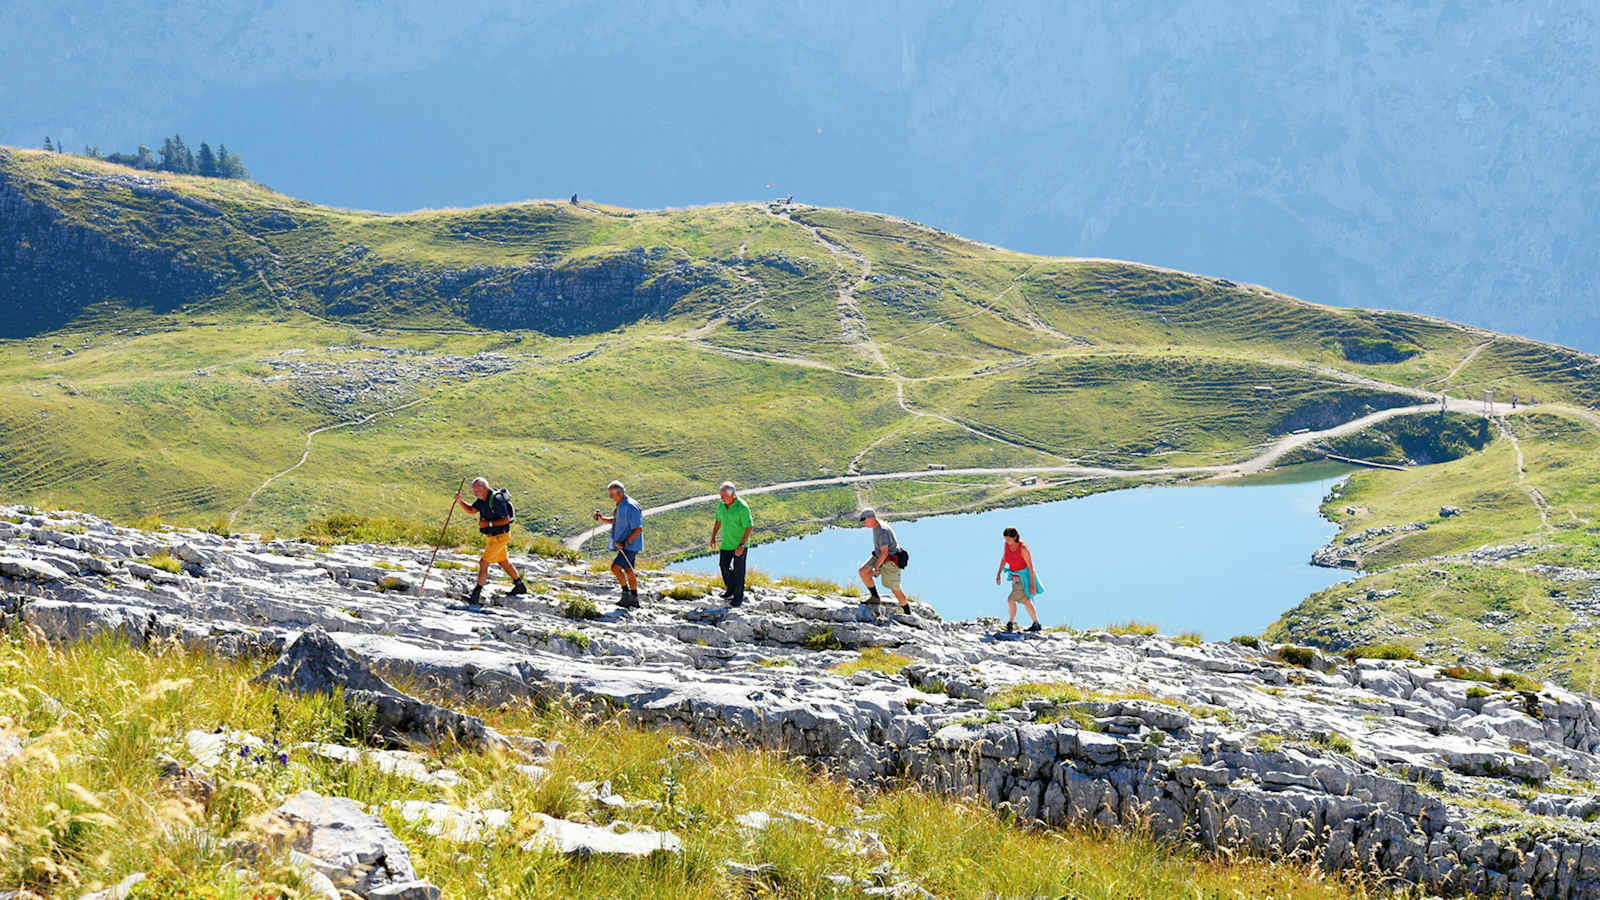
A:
(734, 524)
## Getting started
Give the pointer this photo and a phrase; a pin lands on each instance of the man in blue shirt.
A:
(627, 538)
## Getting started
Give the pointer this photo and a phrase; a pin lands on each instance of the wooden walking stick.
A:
(440, 542)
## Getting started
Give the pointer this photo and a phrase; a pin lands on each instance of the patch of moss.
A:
(824, 639)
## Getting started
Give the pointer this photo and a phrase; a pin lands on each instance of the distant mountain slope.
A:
(1434, 156)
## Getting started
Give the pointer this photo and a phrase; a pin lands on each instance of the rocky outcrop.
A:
(583, 295)
(580, 295)
(1394, 767)
(52, 266)
(1347, 552)
(349, 380)
(1321, 413)
(315, 664)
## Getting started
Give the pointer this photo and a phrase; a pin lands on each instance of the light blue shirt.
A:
(629, 516)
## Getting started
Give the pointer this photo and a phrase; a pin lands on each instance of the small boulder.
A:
(452, 823)
(578, 839)
(353, 848)
(185, 781)
(1448, 512)
(316, 664)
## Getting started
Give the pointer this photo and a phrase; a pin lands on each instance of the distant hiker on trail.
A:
(734, 524)
(886, 561)
(574, 200)
(627, 538)
(1017, 560)
(495, 514)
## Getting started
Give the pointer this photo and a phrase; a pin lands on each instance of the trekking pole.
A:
(440, 542)
(623, 553)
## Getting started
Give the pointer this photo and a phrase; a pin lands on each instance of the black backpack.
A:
(504, 497)
(902, 557)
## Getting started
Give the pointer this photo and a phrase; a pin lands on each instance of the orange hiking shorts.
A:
(495, 550)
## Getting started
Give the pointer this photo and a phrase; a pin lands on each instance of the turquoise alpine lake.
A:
(1220, 558)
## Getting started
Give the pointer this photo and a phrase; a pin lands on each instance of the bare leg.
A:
(483, 572)
(633, 579)
(1029, 604)
(620, 573)
(511, 570)
(898, 595)
(866, 576)
(1011, 610)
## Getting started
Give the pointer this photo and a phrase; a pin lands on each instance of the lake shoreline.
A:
(1228, 553)
(1076, 489)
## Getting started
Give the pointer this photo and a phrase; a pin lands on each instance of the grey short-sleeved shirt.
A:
(883, 536)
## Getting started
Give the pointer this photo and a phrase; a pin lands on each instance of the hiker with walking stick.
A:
(627, 538)
(495, 514)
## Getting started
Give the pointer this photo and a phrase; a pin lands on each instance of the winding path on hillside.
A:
(1534, 494)
(853, 326)
(1465, 361)
(311, 435)
(1256, 464)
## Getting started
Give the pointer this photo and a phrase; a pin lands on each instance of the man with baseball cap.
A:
(883, 564)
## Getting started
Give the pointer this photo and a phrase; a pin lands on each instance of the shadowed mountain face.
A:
(1435, 158)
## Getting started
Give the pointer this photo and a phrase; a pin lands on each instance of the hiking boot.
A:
(630, 600)
(1011, 627)
(734, 602)
(518, 588)
(476, 598)
(874, 592)
(1035, 628)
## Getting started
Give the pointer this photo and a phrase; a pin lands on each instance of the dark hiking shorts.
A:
(625, 558)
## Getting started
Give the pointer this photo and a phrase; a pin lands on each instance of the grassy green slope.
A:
(1535, 488)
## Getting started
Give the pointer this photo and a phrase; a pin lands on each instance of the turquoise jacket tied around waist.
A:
(1030, 584)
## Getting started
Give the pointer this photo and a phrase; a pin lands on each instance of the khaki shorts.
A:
(1018, 593)
(494, 551)
(889, 575)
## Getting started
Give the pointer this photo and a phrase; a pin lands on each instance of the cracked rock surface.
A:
(1456, 785)
(351, 847)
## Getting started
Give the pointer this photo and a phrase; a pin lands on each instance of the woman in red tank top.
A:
(1016, 561)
